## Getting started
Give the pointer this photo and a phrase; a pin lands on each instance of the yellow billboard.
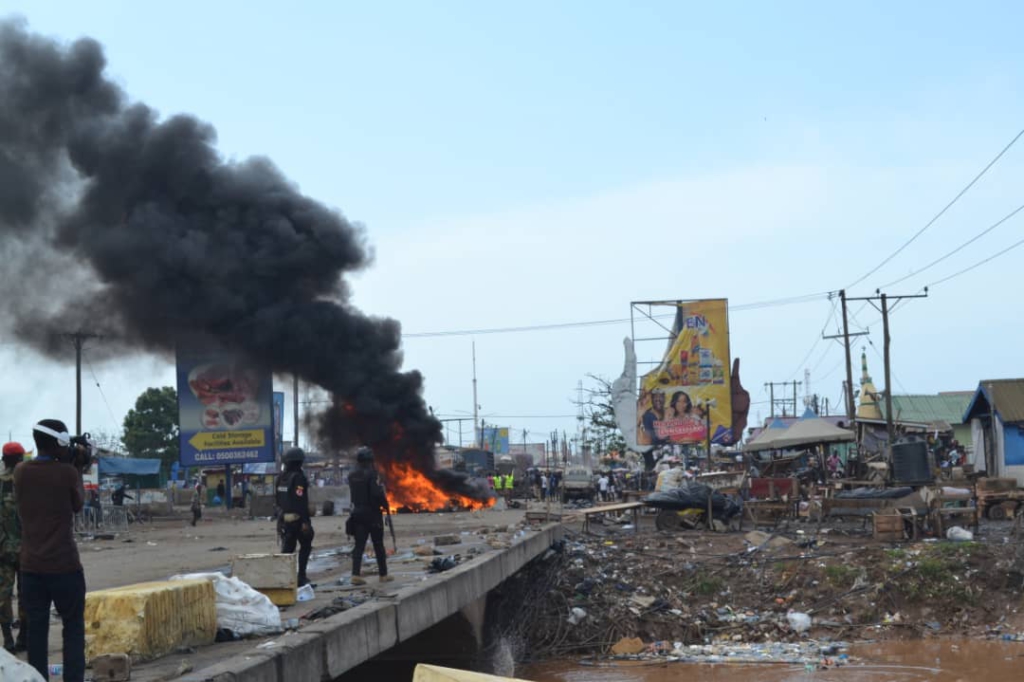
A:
(690, 390)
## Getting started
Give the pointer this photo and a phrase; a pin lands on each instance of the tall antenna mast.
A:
(476, 406)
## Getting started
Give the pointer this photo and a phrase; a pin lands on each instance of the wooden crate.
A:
(992, 485)
(888, 525)
(889, 536)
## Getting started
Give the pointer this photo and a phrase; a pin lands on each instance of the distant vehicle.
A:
(578, 483)
(475, 462)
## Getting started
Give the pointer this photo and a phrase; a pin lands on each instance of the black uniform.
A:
(368, 501)
(293, 524)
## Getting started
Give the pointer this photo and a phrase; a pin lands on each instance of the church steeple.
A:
(868, 408)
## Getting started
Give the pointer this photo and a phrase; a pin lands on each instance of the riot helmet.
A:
(294, 456)
(364, 455)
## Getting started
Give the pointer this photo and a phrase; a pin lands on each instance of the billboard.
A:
(225, 413)
(495, 439)
(691, 387)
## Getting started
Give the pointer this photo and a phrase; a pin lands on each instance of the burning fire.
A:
(410, 489)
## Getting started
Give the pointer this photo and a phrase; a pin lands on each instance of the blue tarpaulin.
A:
(128, 466)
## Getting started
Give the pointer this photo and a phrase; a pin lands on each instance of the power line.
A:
(959, 248)
(817, 340)
(102, 394)
(1009, 248)
(940, 213)
(792, 300)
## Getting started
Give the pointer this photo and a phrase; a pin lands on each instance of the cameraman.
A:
(50, 492)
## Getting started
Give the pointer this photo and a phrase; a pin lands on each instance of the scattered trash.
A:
(184, 668)
(576, 615)
(218, 549)
(441, 564)
(442, 540)
(305, 593)
(240, 608)
(267, 645)
(800, 622)
(958, 534)
(151, 543)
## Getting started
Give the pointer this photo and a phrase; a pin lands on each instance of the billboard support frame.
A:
(644, 312)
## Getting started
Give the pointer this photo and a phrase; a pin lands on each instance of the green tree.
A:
(151, 428)
(603, 434)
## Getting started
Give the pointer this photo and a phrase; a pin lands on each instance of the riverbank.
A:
(660, 589)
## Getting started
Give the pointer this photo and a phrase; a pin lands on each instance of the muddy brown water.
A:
(952, 660)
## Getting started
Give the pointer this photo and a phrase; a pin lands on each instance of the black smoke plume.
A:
(116, 221)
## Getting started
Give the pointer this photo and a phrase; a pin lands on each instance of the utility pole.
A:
(295, 407)
(784, 401)
(889, 427)
(476, 407)
(884, 309)
(78, 340)
(851, 408)
(849, 363)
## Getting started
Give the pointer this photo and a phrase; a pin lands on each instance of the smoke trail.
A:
(136, 227)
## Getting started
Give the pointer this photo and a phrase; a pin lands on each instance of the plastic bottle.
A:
(57, 671)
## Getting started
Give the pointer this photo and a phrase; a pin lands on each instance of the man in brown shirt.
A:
(49, 492)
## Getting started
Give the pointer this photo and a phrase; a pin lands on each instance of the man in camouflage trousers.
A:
(10, 546)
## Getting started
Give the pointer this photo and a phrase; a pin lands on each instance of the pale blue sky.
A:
(538, 162)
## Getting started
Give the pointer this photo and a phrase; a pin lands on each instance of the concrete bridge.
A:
(335, 645)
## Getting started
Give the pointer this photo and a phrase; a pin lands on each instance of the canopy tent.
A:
(809, 430)
(763, 440)
(128, 466)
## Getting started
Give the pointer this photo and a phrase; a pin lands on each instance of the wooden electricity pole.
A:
(884, 309)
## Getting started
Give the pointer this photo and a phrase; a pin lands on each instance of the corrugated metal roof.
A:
(1007, 396)
(925, 409)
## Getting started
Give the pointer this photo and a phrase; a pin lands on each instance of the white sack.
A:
(240, 608)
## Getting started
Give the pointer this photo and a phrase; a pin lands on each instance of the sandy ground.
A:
(171, 546)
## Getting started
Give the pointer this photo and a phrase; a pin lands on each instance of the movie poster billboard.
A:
(225, 410)
(690, 388)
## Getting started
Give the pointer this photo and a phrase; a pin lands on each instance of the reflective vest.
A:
(498, 481)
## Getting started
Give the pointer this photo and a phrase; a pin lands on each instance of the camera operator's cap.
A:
(13, 449)
(63, 437)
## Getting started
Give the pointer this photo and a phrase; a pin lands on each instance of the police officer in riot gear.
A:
(367, 521)
(293, 522)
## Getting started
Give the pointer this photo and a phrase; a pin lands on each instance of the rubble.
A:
(750, 593)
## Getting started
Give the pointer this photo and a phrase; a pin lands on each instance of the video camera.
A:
(80, 451)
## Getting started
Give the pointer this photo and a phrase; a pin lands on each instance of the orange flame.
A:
(409, 488)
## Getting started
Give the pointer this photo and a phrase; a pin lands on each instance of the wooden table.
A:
(608, 508)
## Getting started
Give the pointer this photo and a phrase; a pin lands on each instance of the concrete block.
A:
(112, 668)
(464, 584)
(420, 607)
(274, 571)
(300, 657)
(249, 667)
(355, 636)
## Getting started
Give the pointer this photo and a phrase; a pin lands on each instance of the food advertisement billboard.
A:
(690, 389)
(225, 410)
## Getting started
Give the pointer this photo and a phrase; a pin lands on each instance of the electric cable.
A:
(959, 248)
(940, 213)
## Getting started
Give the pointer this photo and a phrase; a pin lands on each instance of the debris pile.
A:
(734, 590)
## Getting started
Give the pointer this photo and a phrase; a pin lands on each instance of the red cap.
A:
(13, 449)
